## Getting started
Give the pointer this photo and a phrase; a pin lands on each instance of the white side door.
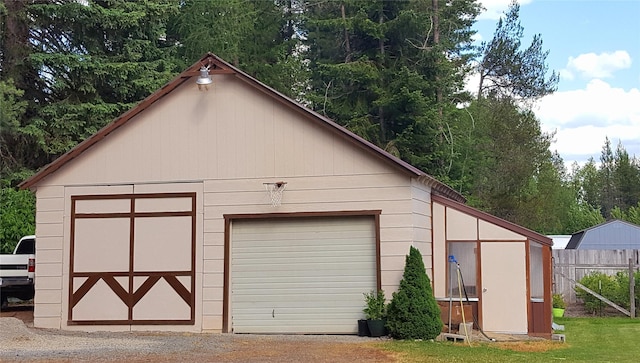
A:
(504, 287)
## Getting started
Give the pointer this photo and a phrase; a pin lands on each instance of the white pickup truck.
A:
(17, 271)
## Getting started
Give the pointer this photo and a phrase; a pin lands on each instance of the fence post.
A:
(632, 289)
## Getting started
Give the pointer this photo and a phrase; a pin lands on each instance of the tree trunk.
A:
(383, 126)
(347, 45)
(436, 41)
(15, 42)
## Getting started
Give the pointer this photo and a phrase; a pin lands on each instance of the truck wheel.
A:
(5, 302)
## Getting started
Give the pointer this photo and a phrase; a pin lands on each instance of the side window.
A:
(536, 277)
(466, 255)
(26, 247)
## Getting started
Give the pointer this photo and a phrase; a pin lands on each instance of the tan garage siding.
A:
(421, 221)
(205, 139)
(49, 251)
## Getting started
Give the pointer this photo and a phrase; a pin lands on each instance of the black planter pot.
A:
(363, 328)
(376, 328)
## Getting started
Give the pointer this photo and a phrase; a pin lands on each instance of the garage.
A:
(301, 275)
(160, 221)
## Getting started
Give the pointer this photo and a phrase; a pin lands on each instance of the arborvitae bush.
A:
(413, 312)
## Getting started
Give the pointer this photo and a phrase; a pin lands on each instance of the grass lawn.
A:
(588, 340)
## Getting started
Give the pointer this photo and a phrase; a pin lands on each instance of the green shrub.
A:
(17, 216)
(558, 302)
(376, 308)
(604, 285)
(413, 312)
(622, 278)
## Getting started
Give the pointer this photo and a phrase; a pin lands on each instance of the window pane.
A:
(465, 254)
(535, 271)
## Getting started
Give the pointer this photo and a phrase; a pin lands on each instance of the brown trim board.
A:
(228, 218)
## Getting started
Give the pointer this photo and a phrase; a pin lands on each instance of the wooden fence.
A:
(575, 264)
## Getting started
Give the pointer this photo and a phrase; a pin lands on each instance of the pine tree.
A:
(260, 37)
(94, 60)
(506, 70)
(413, 312)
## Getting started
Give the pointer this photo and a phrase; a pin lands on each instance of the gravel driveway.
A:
(19, 343)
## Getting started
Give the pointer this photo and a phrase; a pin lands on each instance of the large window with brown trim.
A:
(536, 275)
(465, 253)
(132, 259)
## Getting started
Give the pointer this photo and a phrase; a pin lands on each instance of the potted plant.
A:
(558, 306)
(375, 312)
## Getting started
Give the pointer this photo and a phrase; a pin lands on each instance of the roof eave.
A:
(495, 220)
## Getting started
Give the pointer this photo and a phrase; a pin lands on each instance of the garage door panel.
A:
(276, 295)
(318, 253)
(290, 272)
(295, 238)
(162, 244)
(286, 267)
(107, 247)
(310, 281)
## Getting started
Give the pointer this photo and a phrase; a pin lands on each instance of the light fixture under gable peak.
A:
(204, 80)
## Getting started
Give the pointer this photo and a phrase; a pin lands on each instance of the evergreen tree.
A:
(94, 60)
(607, 182)
(413, 312)
(509, 152)
(260, 37)
(546, 203)
(586, 183)
(506, 70)
(389, 70)
(12, 143)
(626, 176)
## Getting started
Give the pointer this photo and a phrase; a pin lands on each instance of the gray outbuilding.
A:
(612, 235)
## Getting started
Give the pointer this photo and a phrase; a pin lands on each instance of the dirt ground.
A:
(178, 347)
(213, 347)
(23, 311)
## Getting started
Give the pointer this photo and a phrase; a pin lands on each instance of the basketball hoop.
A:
(275, 192)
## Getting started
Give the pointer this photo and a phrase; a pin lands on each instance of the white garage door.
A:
(301, 275)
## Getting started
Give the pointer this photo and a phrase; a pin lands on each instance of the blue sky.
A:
(595, 46)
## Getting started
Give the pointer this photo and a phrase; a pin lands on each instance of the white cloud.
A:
(496, 8)
(472, 82)
(583, 118)
(567, 74)
(591, 65)
(476, 38)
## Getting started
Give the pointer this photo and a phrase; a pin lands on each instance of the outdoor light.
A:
(204, 80)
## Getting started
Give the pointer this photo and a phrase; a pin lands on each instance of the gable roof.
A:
(219, 66)
(577, 237)
(540, 238)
